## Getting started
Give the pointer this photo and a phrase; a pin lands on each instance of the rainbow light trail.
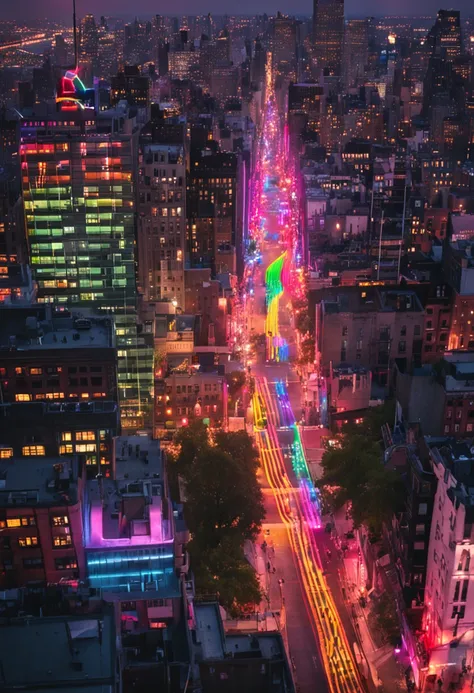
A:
(275, 278)
(298, 513)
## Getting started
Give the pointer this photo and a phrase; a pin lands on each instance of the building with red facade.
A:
(41, 538)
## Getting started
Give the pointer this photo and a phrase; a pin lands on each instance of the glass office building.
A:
(78, 186)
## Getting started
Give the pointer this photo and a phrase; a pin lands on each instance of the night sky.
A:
(60, 8)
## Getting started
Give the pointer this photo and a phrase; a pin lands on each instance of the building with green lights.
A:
(78, 175)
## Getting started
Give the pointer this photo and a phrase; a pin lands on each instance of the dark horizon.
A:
(144, 8)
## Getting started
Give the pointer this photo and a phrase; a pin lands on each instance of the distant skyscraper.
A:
(89, 40)
(356, 51)
(284, 45)
(444, 42)
(328, 34)
(445, 35)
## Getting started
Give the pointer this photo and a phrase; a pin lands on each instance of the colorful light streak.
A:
(339, 664)
(275, 276)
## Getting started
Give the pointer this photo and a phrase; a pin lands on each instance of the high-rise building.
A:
(162, 218)
(131, 86)
(445, 34)
(60, 51)
(356, 51)
(78, 172)
(328, 34)
(284, 45)
(89, 40)
(439, 89)
(212, 196)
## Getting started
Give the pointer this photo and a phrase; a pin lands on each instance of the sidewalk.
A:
(386, 672)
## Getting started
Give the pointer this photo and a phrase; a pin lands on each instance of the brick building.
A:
(62, 430)
(56, 356)
(40, 520)
(370, 327)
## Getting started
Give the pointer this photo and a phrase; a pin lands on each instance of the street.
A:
(299, 583)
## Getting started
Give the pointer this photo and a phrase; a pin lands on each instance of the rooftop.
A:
(353, 299)
(61, 653)
(27, 481)
(137, 457)
(37, 327)
(130, 510)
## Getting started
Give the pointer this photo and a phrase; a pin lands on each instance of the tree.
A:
(307, 351)
(239, 445)
(190, 441)
(223, 500)
(223, 508)
(225, 571)
(372, 421)
(385, 612)
(353, 472)
(235, 382)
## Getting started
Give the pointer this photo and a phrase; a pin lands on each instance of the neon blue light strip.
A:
(120, 559)
(107, 576)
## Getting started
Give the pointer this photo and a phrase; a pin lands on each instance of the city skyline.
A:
(353, 8)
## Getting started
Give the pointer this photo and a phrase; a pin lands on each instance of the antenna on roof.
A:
(74, 28)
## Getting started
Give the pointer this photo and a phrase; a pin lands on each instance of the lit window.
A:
(83, 447)
(62, 540)
(36, 371)
(25, 542)
(26, 521)
(23, 398)
(19, 371)
(5, 453)
(66, 436)
(85, 435)
(65, 449)
(33, 450)
(60, 520)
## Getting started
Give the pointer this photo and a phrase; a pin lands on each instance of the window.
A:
(23, 398)
(86, 447)
(20, 371)
(344, 331)
(85, 435)
(417, 331)
(66, 563)
(458, 611)
(31, 563)
(61, 540)
(33, 450)
(420, 529)
(422, 508)
(66, 449)
(13, 522)
(419, 545)
(66, 436)
(26, 542)
(402, 347)
(403, 331)
(5, 453)
(465, 586)
(60, 520)
(36, 371)
(457, 587)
